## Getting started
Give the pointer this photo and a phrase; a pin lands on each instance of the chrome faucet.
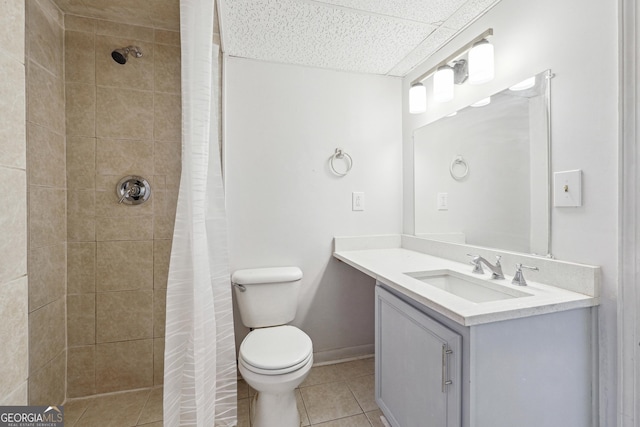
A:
(518, 278)
(496, 270)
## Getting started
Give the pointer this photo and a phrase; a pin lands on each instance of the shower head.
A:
(120, 55)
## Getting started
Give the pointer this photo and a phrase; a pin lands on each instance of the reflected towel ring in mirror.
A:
(459, 175)
(341, 155)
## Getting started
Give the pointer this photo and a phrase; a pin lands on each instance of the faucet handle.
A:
(477, 266)
(498, 258)
(518, 277)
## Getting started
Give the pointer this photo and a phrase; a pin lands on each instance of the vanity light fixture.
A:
(482, 102)
(524, 85)
(417, 98)
(454, 70)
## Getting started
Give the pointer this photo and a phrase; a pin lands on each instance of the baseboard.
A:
(329, 357)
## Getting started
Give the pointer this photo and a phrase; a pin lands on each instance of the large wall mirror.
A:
(482, 175)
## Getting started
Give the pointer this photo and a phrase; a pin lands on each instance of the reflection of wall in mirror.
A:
(496, 204)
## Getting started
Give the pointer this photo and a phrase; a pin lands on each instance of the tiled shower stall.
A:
(97, 270)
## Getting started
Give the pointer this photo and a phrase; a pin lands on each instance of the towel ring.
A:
(459, 161)
(339, 154)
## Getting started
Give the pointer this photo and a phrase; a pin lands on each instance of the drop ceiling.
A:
(388, 37)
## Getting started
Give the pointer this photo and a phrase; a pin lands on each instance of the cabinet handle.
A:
(445, 359)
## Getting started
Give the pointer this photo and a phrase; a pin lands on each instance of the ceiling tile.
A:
(309, 33)
(428, 11)
(468, 13)
(428, 47)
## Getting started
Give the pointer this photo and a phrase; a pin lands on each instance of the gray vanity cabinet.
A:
(418, 366)
(527, 372)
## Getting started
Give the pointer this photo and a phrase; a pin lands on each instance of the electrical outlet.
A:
(357, 201)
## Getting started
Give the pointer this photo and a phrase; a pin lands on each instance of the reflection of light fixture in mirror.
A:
(443, 84)
(482, 102)
(417, 98)
(481, 68)
(525, 84)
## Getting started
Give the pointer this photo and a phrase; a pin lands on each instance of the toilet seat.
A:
(276, 350)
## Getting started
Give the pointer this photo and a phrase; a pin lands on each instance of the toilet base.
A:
(275, 410)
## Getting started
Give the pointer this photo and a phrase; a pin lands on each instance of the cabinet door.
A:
(418, 366)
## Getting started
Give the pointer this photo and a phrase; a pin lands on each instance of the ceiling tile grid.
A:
(312, 34)
(427, 11)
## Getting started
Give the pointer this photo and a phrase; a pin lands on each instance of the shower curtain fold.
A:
(200, 367)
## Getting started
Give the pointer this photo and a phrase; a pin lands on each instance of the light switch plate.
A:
(567, 189)
(357, 201)
(443, 201)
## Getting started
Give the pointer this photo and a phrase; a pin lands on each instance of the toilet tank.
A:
(267, 296)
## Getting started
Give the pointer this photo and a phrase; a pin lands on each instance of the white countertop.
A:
(388, 266)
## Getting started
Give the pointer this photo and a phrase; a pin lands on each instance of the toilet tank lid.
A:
(251, 276)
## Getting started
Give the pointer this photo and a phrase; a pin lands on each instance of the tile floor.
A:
(339, 395)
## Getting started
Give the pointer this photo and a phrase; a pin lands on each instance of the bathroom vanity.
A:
(460, 349)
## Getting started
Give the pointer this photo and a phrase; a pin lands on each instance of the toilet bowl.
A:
(274, 358)
(275, 361)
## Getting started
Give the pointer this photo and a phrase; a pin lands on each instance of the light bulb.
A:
(525, 84)
(481, 69)
(443, 84)
(417, 99)
(482, 102)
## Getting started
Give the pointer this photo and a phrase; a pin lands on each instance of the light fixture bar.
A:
(487, 33)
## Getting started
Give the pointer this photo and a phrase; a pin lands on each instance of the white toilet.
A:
(275, 357)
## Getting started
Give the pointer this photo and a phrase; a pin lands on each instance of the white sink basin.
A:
(472, 289)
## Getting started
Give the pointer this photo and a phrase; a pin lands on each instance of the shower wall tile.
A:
(14, 351)
(47, 336)
(124, 31)
(124, 114)
(137, 73)
(124, 157)
(19, 396)
(107, 203)
(159, 312)
(158, 361)
(124, 316)
(45, 98)
(46, 157)
(81, 267)
(12, 105)
(117, 228)
(47, 385)
(80, 58)
(45, 38)
(79, 23)
(168, 157)
(165, 14)
(81, 371)
(167, 68)
(81, 222)
(80, 109)
(47, 275)
(52, 10)
(124, 365)
(124, 265)
(81, 319)
(13, 225)
(161, 257)
(163, 227)
(167, 117)
(12, 36)
(81, 162)
(167, 37)
(47, 213)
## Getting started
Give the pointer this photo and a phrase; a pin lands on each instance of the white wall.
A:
(282, 123)
(579, 43)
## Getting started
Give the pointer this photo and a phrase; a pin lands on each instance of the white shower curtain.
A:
(200, 366)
